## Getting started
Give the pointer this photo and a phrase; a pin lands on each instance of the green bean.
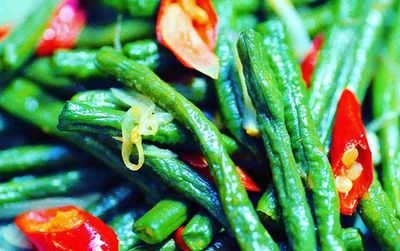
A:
(241, 215)
(52, 185)
(34, 157)
(28, 102)
(386, 100)
(130, 30)
(122, 225)
(244, 22)
(267, 99)
(200, 231)
(378, 214)
(112, 201)
(79, 64)
(317, 19)
(227, 87)
(19, 46)
(162, 220)
(308, 150)
(246, 6)
(82, 117)
(352, 239)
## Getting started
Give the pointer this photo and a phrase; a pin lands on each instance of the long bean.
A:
(308, 150)
(240, 213)
(268, 102)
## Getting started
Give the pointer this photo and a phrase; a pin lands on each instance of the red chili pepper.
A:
(66, 228)
(199, 163)
(350, 154)
(179, 240)
(310, 59)
(64, 28)
(188, 28)
(4, 31)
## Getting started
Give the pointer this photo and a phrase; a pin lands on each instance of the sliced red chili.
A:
(350, 154)
(310, 59)
(199, 163)
(179, 240)
(66, 228)
(4, 31)
(189, 29)
(64, 28)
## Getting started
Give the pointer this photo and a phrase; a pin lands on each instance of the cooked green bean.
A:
(200, 231)
(378, 214)
(240, 213)
(20, 45)
(268, 102)
(352, 239)
(317, 19)
(308, 150)
(268, 207)
(34, 157)
(52, 185)
(162, 220)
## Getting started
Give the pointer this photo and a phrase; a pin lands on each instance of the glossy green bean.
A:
(162, 220)
(352, 239)
(307, 149)
(240, 213)
(20, 45)
(52, 185)
(317, 19)
(200, 231)
(268, 101)
(34, 157)
(378, 214)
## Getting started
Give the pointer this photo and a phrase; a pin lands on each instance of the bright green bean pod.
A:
(246, 6)
(352, 239)
(28, 102)
(79, 64)
(20, 45)
(227, 86)
(52, 185)
(378, 214)
(268, 102)
(200, 231)
(386, 100)
(162, 220)
(130, 30)
(307, 149)
(87, 118)
(142, 8)
(34, 157)
(113, 200)
(122, 225)
(240, 213)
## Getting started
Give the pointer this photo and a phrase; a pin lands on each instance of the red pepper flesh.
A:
(66, 228)
(4, 31)
(310, 59)
(188, 28)
(349, 133)
(179, 240)
(199, 163)
(64, 29)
